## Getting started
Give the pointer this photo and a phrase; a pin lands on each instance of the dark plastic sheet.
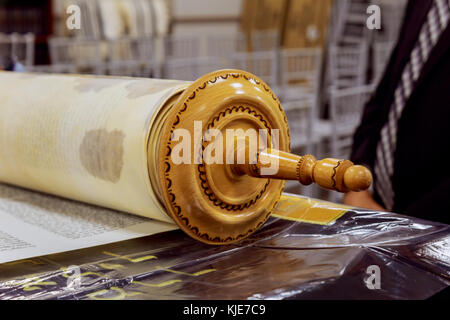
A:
(284, 260)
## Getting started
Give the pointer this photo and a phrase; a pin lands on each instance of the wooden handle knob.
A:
(357, 178)
(332, 174)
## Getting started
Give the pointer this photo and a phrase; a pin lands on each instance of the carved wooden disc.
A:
(209, 201)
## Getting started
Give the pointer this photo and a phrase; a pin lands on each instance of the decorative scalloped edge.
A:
(176, 207)
(201, 167)
(299, 164)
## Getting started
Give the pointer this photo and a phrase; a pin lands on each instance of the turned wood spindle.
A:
(332, 174)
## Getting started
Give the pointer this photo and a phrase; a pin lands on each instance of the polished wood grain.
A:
(332, 174)
(224, 203)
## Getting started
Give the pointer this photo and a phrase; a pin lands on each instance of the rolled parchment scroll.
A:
(111, 142)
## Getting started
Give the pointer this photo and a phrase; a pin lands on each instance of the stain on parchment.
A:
(101, 154)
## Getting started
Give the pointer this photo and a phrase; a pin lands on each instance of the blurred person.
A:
(404, 136)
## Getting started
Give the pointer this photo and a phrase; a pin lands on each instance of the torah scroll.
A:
(109, 141)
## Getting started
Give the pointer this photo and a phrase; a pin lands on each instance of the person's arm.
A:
(376, 111)
(362, 200)
(365, 141)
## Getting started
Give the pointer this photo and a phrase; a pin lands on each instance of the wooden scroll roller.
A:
(112, 142)
(332, 174)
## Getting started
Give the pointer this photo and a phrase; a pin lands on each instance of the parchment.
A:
(82, 137)
(35, 224)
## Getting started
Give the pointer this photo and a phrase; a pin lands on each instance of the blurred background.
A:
(319, 57)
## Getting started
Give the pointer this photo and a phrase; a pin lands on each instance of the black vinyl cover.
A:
(362, 255)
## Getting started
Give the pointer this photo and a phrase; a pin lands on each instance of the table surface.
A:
(308, 249)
